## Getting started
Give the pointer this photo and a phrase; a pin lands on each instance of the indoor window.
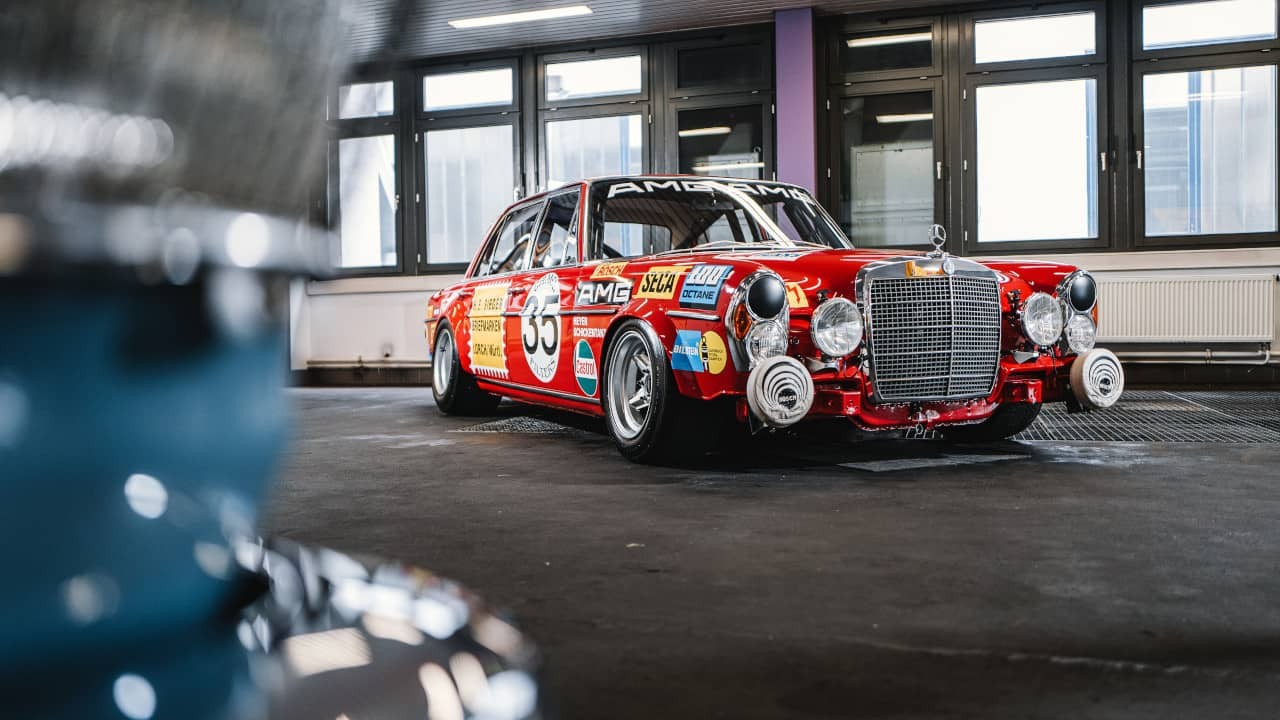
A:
(361, 100)
(470, 178)
(887, 50)
(887, 168)
(1037, 160)
(722, 142)
(593, 147)
(1207, 23)
(1209, 147)
(468, 89)
(593, 78)
(1030, 38)
(367, 202)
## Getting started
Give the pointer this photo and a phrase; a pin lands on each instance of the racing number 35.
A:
(540, 331)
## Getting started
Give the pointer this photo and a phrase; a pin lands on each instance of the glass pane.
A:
(474, 88)
(593, 147)
(722, 142)
(1209, 140)
(1207, 23)
(886, 166)
(557, 239)
(367, 201)
(1028, 38)
(470, 179)
(887, 50)
(511, 251)
(734, 65)
(1038, 161)
(366, 100)
(593, 78)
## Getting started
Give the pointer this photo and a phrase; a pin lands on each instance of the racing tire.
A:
(647, 417)
(1004, 423)
(455, 390)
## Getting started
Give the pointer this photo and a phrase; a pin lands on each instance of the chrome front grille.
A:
(933, 338)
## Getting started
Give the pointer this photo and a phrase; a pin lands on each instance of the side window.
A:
(557, 239)
(510, 251)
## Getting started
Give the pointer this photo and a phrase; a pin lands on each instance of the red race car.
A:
(672, 306)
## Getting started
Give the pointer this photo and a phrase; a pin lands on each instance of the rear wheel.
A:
(1005, 422)
(454, 390)
(648, 418)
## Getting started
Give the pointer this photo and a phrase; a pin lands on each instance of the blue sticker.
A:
(702, 286)
(687, 353)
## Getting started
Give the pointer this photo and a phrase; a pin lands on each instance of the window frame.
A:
(839, 33)
(671, 143)
(1139, 204)
(671, 65)
(496, 231)
(603, 53)
(580, 211)
(1140, 53)
(584, 113)
(968, 36)
(420, 90)
(333, 200)
(969, 236)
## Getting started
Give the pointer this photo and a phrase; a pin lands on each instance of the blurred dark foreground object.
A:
(156, 160)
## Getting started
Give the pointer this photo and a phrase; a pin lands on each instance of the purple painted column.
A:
(797, 101)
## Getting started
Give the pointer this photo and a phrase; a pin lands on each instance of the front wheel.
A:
(455, 391)
(648, 418)
(1005, 422)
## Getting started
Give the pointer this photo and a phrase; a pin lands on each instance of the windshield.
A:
(645, 217)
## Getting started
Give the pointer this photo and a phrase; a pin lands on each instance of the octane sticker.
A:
(699, 352)
(795, 295)
(584, 368)
(540, 327)
(609, 270)
(603, 292)
(702, 286)
(659, 283)
(487, 335)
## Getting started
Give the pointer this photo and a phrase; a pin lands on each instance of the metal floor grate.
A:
(1160, 416)
(520, 426)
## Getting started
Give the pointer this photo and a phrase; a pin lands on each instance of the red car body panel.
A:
(566, 373)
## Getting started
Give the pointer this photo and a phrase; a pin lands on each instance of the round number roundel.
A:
(540, 327)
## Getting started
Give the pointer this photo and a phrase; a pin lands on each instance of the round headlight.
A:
(1042, 319)
(767, 297)
(765, 340)
(1081, 333)
(836, 327)
(1082, 293)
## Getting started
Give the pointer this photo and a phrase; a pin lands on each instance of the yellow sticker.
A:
(795, 295)
(488, 339)
(714, 354)
(915, 270)
(659, 283)
(609, 270)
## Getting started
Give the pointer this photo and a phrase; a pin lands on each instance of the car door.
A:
(497, 283)
(547, 290)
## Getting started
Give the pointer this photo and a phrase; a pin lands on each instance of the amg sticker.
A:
(702, 286)
(696, 351)
(540, 327)
(488, 336)
(760, 190)
(659, 283)
(584, 368)
(603, 292)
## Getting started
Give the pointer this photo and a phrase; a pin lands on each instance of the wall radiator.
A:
(1187, 309)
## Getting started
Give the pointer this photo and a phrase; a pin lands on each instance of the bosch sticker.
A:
(702, 286)
(609, 270)
(488, 336)
(659, 283)
(585, 369)
(540, 327)
(699, 352)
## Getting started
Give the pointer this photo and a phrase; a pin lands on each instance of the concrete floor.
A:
(821, 578)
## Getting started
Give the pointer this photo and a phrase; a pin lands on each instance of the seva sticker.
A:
(702, 286)
(659, 283)
(585, 369)
(696, 351)
(487, 337)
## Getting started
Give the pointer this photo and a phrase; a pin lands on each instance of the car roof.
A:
(650, 176)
